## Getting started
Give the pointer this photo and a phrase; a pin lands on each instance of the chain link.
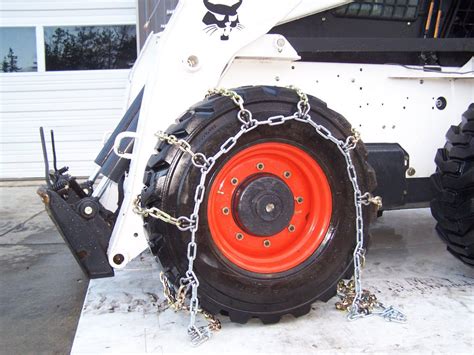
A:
(154, 212)
(176, 301)
(238, 100)
(354, 299)
(198, 159)
(368, 304)
(367, 199)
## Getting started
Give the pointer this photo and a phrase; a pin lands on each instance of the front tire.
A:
(235, 281)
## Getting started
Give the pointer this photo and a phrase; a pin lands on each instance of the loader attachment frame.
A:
(85, 227)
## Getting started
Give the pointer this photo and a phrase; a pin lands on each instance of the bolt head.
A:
(281, 42)
(234, 181)
(88, 210)
(239, 236)
(267, 243)
(225, 210)
(260, 166)
(192, 61)
(118, 259)
(287, 174)
(299, 200)
(269, 207)
(291, 228)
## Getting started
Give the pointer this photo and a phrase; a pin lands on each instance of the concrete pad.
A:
(41, 286)
(407, 267)
(42, 290)
(23, 217)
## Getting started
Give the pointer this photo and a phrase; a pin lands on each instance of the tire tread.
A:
(453, 186)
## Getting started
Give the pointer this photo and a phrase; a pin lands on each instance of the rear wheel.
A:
(453, 183)
(277, 225)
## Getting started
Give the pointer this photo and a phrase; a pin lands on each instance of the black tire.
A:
(225, 288)
(453, 185)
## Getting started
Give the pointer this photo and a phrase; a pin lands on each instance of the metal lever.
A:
(54, 152)
(45, 158)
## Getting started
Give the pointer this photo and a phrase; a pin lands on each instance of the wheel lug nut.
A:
(287, 174)
(260, 166)
(239, 236)
(225, 211)
(234, 181)
(266, 243)
(299, 199)
(291, 228)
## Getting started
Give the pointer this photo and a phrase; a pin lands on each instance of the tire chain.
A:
(358, 302)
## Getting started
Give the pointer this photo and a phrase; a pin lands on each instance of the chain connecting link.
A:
(183, 223)
(176, 301)
(368, 305)
(355, 300)
(238, 100)
(367, 199)
(197, 159)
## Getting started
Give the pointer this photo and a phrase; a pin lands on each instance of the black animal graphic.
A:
(221, 18)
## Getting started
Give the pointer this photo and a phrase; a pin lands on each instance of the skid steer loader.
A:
(256, 197)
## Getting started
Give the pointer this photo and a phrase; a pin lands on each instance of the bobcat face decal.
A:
(221, 18)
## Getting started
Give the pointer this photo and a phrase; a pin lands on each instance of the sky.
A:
(23, 42)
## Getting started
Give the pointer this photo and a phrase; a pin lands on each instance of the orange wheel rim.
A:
(309, 221)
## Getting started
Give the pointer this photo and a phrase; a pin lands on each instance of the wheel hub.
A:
(269, 207)
(263, 205)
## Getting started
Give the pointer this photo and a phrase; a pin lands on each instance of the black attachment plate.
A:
(86, 238)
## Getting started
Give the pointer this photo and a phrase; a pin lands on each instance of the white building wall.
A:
(79, 105)
(67, 12)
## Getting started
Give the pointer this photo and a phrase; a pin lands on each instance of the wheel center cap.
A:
(263, 205)
(270, 207)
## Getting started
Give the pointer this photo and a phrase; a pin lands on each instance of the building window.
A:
(90, 47)
(393, 10)
(18, 49)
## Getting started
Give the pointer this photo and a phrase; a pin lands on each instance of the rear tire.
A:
(453, 184)
(235, 289)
